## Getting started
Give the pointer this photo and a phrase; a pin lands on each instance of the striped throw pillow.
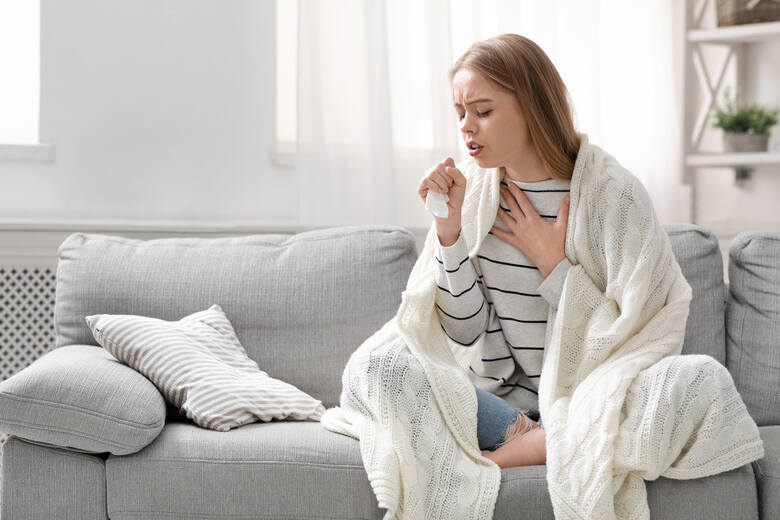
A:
(199, 366)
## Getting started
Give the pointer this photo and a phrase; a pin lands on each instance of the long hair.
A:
(519, 66)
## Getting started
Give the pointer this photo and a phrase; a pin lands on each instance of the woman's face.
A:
(496, 122)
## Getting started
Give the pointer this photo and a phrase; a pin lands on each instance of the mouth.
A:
(474, 148)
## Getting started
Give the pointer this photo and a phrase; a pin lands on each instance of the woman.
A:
(514, 115)
(620, 404)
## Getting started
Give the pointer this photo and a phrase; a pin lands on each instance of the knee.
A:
(522, 425)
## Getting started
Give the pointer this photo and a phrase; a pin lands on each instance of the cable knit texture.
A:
(619, 402)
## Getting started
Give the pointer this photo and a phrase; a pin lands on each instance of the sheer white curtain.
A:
(375, 105)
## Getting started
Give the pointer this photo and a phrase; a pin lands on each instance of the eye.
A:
(479, 114)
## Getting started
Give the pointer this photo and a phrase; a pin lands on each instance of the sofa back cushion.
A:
(696, 250)
(300, 304)
(753, 322)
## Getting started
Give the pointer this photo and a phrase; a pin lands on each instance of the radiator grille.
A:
(26, 319)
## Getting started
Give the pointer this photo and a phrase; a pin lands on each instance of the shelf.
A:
(744, 33)
(702, 82)
(732, 159)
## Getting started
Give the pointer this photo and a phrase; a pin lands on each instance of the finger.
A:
(563, 214)
(444, 177)
(456, 175)
(449, 162)
(506, 218)
(512, 202)
(525, 205)
(435, 185)
(440, 180)
(500, 233)
(423, 188)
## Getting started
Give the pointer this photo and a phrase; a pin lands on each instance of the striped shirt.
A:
(504, 296)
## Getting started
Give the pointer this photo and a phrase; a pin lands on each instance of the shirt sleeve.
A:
(552, 286)
(460, 302)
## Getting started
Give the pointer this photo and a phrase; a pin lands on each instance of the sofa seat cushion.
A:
(288, 469)
(278, 469)
(767, 471)
(82, 398)
(730, 495)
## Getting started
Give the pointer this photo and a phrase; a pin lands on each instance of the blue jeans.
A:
(494, 415)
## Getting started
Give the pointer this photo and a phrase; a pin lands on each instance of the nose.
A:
(467, 124)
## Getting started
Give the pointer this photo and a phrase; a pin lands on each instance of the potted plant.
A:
(746, 128)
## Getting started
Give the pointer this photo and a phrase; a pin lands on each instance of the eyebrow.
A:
(473, 101)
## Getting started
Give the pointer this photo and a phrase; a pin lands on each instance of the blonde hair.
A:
(518, 65)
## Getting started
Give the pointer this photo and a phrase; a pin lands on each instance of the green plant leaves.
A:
(752, 118)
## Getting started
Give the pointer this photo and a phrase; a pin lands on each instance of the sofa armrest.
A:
(82, 398)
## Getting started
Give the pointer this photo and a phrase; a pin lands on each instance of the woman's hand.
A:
(444, 177)
(539, 240)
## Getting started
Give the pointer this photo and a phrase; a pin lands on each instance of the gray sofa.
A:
(91, 438)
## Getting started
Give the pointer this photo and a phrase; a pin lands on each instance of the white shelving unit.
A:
(736, 39)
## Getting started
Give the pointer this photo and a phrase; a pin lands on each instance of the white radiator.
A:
(26, 319)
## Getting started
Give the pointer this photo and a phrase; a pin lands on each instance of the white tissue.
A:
(436, 203)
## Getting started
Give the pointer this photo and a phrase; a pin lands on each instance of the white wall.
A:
(157, 111)
(162, 117)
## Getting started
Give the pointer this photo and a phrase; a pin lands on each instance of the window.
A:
(286, 80)
(20, 82)
(418, 59)
(19, 71)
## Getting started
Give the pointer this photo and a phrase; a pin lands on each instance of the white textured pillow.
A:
(199, 365)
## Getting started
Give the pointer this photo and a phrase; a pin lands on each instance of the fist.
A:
(444, 177)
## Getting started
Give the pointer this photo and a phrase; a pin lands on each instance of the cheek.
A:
(502, 130)
(512, 132)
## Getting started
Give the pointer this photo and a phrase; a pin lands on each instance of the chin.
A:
(483, 163)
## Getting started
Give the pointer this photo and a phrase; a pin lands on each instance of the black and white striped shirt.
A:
(503, 295)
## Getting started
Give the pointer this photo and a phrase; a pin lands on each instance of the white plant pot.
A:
(745, 142)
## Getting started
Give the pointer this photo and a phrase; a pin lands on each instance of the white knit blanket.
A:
(620, 404)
